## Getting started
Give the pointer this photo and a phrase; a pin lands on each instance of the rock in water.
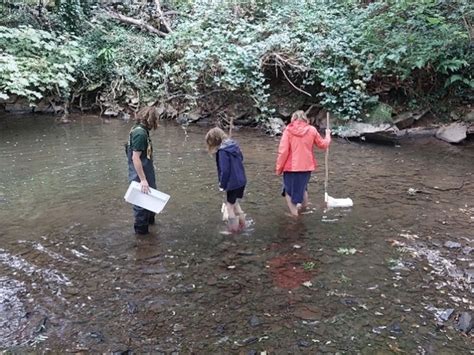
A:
(304, 343)
(469, 275)
(465, 323)
(452, 245)
(357, 129)
(395, 328)
(454, 133)
(254, 321)
(446, 314)
(275, 126)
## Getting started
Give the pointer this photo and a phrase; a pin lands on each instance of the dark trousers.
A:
(143, 217)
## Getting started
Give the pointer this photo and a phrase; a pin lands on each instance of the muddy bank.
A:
(377, 278)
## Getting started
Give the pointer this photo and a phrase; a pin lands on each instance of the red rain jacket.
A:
(295, 152)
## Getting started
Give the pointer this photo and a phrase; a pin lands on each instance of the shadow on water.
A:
(373, 279)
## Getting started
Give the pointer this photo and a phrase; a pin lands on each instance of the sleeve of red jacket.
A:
(319, 141)
(283, 152)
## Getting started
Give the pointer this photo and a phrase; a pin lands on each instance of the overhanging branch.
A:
(134, 22)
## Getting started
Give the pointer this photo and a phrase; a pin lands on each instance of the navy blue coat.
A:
(230, 167)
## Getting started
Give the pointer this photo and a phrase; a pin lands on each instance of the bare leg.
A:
(241, 214)
(305, 199)
(305, 203)
(230, 209)
(232, 222)
(291, 206)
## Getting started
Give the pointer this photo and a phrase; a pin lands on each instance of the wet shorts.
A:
(295, 184)
(233, 195)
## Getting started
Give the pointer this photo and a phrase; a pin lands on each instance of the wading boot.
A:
(151, 219)
(141, 229)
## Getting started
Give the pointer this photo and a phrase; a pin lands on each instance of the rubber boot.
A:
(233, 224)
(151, 219)
(141, 229)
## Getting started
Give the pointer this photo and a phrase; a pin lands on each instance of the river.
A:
(371, 279)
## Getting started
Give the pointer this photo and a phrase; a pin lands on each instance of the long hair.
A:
(214, 139)
(299, 115)
(148, 117)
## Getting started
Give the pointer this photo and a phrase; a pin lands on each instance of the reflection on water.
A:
(73, 277)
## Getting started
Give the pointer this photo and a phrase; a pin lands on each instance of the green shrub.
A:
(34, 63)
(343, 53)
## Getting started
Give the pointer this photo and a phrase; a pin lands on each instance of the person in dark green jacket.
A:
(140, 164)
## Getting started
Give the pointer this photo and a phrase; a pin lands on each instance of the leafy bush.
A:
(120, 62)
(345, 54)
(34, 63)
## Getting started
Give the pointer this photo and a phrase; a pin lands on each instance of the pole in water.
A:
(332, 202)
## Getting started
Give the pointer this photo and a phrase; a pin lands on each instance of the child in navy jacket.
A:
(231, 174)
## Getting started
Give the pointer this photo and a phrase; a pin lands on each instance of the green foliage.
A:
(309, 265)
(70, 15)
(121, 62)
(341, 52)
(34, 63)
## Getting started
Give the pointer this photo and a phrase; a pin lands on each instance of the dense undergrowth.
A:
(345, 56)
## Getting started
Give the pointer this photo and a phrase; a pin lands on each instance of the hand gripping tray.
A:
(155, 201)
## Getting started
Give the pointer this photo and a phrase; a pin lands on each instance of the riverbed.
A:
(370, 279)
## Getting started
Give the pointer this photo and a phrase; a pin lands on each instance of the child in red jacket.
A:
(296, 159)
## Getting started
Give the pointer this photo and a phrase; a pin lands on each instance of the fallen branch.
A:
(281, 61)
(171, 12)
(190, 97)
(134, 22)
(162, 17)
(456, 188)
(297, 88)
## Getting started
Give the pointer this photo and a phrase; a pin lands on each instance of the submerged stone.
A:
(304, 343)
(452, 245)
(254, 321)
(469, 275)
(465, 322)
(395, 328)
(445, 314)
(132, 307)
(467, 250)
(122, 352)
(307, 313)
(220, 329)
(349, 302)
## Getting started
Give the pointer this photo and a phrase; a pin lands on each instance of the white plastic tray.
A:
(155, 201)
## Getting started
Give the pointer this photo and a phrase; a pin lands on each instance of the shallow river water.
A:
(372, 279)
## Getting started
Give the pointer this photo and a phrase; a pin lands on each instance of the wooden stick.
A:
(134, 22)
(326, 160)
(297, 88)
(162, 16)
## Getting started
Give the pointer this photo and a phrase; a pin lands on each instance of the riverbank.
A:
(364, 62)
(384, 128)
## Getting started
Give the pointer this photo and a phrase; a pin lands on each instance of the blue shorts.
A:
(295, 184)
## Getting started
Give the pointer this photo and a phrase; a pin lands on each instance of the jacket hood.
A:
(298, 128)
(230, 147)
